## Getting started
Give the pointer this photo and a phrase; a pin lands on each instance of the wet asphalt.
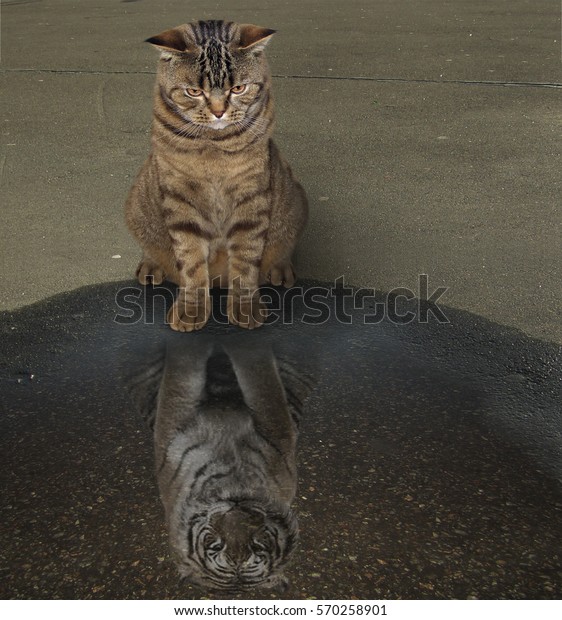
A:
(429, 456)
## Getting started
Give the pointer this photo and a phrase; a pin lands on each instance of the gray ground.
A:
(428, 138)
(427, 135)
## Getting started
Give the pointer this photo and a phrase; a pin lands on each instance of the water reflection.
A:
(225, 416)
(418, 452)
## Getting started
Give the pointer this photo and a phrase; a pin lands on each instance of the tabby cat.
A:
(215, 203)
(225, 437)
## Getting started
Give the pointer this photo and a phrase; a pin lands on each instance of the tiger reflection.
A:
(225, 432)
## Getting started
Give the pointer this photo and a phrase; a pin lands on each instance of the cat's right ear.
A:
(173, 41)
(254, 38)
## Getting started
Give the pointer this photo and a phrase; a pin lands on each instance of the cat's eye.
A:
(193, 92)
(238, 90)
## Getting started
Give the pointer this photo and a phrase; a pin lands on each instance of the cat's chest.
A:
(214, 181)
(215, 194)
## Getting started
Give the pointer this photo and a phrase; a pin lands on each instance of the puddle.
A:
(426, 457)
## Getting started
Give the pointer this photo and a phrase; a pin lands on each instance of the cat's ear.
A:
(254, 38)
(174, 40)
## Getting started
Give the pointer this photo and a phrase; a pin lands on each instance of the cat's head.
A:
(237, 546)
(214, 74)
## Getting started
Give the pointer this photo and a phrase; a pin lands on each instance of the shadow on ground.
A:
(429, 457)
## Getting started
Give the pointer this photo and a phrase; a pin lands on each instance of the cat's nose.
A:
(218, 113)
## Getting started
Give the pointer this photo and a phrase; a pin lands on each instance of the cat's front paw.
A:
(148, 272)
(188, 317)
(281, 275)
(246, 312)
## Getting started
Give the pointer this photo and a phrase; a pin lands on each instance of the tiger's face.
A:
(237, 548)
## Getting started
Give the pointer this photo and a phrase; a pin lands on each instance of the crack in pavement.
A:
(310, 77)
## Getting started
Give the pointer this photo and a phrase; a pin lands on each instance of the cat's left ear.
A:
(175, 40)
(254, 38)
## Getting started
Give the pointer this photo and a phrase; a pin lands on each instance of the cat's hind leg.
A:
(288, 217)
(280, 274)
(149, 272)
(276, 267)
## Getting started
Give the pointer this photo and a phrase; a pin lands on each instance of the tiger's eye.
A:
(237, 90)
(194, 92)
(217, 545)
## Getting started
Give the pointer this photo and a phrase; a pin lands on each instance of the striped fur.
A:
(215, 203)
(225, 435)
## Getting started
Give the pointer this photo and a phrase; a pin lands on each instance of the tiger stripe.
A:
(185, 453)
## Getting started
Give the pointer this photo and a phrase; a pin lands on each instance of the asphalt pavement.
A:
(427, 136)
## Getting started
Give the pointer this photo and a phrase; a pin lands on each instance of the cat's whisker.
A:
(252, 125)
(189, 130)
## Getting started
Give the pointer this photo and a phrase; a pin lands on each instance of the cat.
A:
(225, 419)
(215, 203)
